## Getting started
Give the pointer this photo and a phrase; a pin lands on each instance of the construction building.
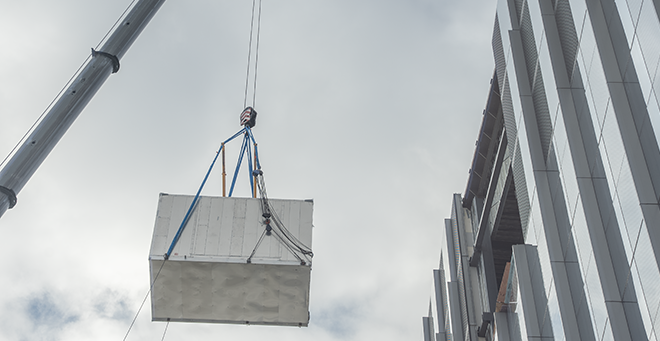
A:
(557, 235)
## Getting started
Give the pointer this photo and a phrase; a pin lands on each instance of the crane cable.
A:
(254, 96)
(256, 55)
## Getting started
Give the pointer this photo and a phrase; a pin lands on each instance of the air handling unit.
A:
(220, 271)
(232, 260)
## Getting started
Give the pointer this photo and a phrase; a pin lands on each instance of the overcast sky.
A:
(370, 107)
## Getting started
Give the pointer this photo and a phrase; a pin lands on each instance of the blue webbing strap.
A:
(194, 202)
(249, 153)
(238, 165)
(256, 152)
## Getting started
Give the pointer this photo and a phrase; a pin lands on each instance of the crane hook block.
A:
(249, 117)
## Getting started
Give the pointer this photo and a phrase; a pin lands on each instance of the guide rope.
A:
(165, 332)
(143, 301)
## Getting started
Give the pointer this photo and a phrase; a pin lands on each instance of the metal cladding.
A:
(207, 278)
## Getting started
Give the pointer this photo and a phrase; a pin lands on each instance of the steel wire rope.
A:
(263, 234)
(288, 240)
(256, 59)
(249, 58)
(66, 85)
(278, 222)
(288, 246)
(290, 237)
(302, 248)
(291, 245)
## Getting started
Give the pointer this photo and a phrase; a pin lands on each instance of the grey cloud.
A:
(45, 312)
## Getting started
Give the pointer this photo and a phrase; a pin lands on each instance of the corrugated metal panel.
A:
(207, 277)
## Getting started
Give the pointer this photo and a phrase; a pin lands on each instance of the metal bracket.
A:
(113, 59)
(486, 319)
(11, 194)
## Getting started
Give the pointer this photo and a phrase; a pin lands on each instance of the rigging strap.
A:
(194, 202)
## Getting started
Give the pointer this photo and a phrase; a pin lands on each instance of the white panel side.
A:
(253, 226)
(215, 233)
(201, 228)
(228, 229)
(238, 228)
(180, 206)
(224, 225)
(306, 222)
(184, 246)
(231, 293)
(161, 227)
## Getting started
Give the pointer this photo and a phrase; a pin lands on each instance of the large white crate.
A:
(207, 277)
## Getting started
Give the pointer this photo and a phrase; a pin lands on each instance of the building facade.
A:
(557, 236)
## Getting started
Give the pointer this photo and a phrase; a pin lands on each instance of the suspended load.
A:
(249, 117)
(232, 260)
(225, 269)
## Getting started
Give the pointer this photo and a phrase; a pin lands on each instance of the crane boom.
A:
(34, 150)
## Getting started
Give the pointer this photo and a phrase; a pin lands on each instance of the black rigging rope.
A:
(277, 228)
